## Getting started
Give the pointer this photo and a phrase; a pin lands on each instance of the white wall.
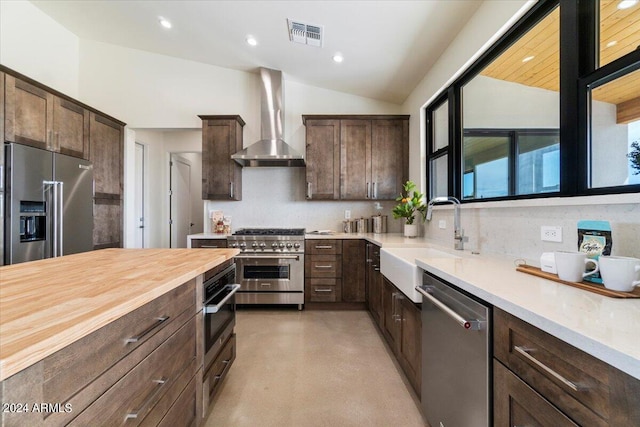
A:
(35, 45)
(511, 228)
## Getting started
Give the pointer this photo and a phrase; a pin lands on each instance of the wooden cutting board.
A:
(587, 286)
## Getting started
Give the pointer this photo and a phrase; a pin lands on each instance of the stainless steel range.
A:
(270, 266)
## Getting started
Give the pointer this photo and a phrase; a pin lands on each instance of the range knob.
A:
(263, 245)
(289, 245)
(243, 245)
(254, 245)
(234, 245)
(281, 245)
(296, 245)
(274, 245)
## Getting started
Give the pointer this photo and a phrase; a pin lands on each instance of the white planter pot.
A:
(411, 230)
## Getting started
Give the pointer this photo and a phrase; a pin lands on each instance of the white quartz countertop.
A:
(607, 328)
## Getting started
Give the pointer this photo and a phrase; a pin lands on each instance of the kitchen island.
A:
(117, 307)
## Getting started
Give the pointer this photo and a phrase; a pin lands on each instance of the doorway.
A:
(179, 201)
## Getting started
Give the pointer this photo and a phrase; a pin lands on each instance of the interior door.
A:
(180, 201)
(139, 195)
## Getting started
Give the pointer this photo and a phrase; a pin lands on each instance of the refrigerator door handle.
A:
(50, 202)
(60, 218)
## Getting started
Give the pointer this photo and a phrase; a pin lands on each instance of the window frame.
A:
(579, 73)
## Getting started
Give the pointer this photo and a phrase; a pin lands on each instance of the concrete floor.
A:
(312, 368)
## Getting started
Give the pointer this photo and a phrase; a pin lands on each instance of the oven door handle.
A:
(210, 309)
(296, 257)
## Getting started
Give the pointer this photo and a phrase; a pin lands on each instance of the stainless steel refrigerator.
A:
(49, 204)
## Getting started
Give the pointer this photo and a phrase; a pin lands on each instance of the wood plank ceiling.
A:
(619, 35)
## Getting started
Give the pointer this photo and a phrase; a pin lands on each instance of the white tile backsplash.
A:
(515, 230)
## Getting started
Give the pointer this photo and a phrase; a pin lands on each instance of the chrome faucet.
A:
(458, 232)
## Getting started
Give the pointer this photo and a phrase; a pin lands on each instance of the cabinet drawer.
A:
(135, 395)
(166, 407)
(218, 371)
(517, 404)
(322, 290)
(323, 247)
(323, 266)
(184, 410)
(588, 390)
(69, 370)
(209, 243)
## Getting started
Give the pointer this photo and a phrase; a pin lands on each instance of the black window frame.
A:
(579, 73)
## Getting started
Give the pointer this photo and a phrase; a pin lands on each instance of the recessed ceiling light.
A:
(528, 58)
(626, 4)
(612, 43)
(164, 22)
(338, 57)
(251, 41)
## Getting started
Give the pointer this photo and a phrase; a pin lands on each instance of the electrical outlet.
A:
(442, 224)
(347, 214)
(550, 233)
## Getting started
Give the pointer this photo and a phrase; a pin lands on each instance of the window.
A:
(553, 108)
(500, 163)
(438, 153)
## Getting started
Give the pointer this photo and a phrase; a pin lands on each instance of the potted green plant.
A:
(411, 205)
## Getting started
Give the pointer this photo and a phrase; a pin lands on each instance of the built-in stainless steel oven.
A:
(270, 266)
(219, 312)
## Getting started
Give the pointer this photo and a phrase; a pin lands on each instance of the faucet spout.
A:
(458, 232)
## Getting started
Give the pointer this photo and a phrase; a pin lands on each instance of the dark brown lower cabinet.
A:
(556, 383)
(517, 404)
(402, 328)
(374, 283)
(353, 271)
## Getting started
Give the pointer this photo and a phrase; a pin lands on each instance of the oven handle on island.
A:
(275, 256)
(210, 309)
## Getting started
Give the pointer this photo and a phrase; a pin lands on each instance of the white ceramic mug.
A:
(620, 273)
(571, 266)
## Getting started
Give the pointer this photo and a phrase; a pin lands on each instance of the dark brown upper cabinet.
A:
(221, 176)
(356, 157)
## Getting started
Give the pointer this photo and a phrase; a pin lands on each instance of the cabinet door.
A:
(411, 342)
(107, 223)
(106, 139)
(355, 159)
(391, 316)
(375, 292)
(389, 157)
(28, 114)
(323, 159)
(353, 271)
(70, 128)
(517, 404)
(221, 176)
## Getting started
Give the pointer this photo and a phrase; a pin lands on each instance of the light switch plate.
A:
(550, 233)
(442, 224)
(347, 214)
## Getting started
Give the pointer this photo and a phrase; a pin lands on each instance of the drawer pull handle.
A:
(159, 384)
(323, 266)
(324, 247)
(525, 353)
(209, 246)
(323, 290)
(159, 322)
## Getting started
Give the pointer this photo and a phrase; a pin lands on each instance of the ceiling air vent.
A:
(299, 32)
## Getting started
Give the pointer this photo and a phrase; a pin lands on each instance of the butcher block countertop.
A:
(46, 305)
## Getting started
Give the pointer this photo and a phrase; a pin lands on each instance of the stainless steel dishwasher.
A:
(456, 369)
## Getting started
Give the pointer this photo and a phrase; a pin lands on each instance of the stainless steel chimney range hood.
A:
(271, 150)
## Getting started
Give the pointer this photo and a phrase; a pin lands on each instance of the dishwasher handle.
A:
(470, 325)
